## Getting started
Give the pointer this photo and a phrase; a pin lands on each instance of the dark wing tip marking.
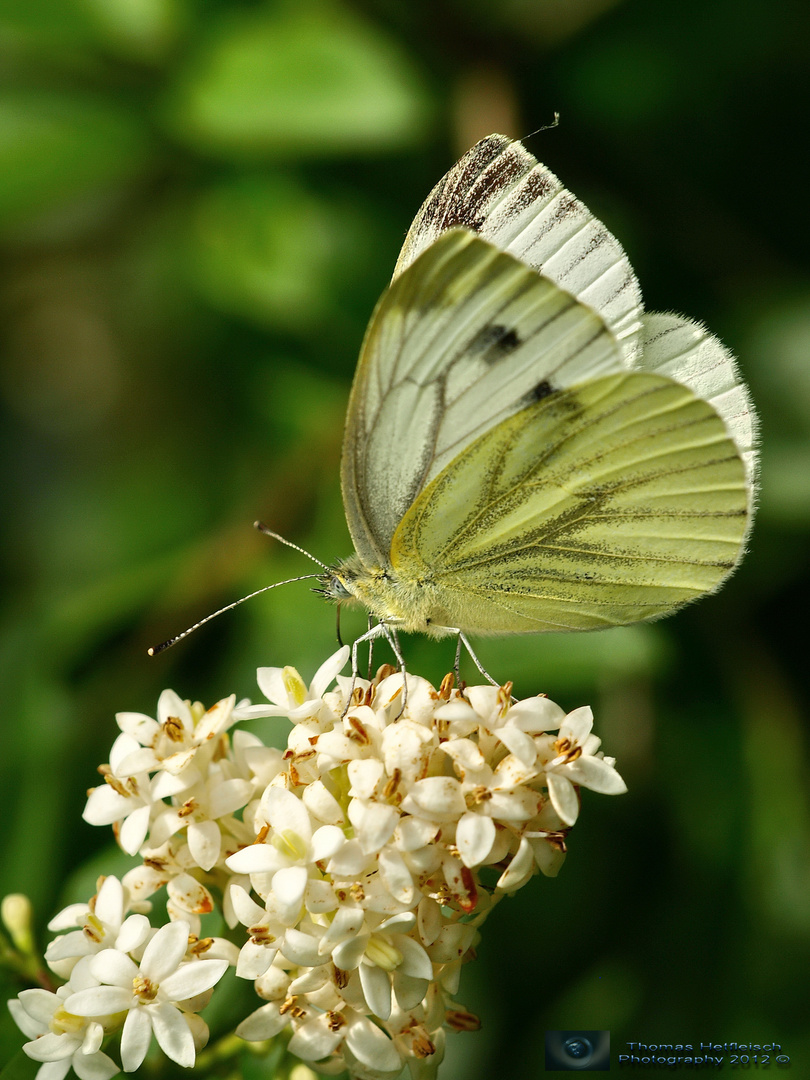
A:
(463, 196)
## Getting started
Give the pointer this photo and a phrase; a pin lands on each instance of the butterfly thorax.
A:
(409, 605)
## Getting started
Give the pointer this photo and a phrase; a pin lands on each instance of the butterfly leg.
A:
(370, 635)
(380, 629)
(370, 646)
(393, 640)
(465, 641)
(457, 661)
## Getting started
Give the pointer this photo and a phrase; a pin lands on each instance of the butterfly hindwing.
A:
(616, 500)
(686, 351)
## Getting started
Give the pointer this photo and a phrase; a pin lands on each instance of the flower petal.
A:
(228, 797)
(262, 1024)
(109, 906)
(255, 959)
(283, 811)
(301, 949)
(172, 706)
(204, 842)
(289, 885)
(254, 859)
(99, 1001)
(165, 951)
(475, 835)
(595, 773)
(376, 985)
(138, 726)
(326, 842)
(577, 725)
(51, 1047)
(133, 933)
(313, 1040)
(563, 797)
(437, 797)
(133, 831)
(519, 869)
(372, 1047)
(114, 967)
(395, 875)
(409, 991)
(173, 1033)
(192, 978)
(95, 1066)
(415, 961)
(247, 910)
(328, 671)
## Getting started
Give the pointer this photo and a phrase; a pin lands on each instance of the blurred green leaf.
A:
(778, 343)
(263, 247)
(56, 147)
(141, 29)
(304, 80)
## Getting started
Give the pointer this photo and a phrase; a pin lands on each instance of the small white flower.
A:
(152, 994)
(60, 1039)
(288, 692)
(103, 925)
(130, 805)
(576, 762)
(174, 742)
(292, 847)
(200, 813)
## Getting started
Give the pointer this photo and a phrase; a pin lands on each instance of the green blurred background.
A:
(200, 201)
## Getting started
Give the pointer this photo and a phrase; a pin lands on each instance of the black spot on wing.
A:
(492, 343)
(543, 389)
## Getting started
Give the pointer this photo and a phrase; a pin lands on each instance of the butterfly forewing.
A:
(464, 338)
(500, 191)
(613, 501)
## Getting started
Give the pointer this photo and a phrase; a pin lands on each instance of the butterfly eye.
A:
(336, 589)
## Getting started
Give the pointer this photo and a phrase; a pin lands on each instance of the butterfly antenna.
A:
(228, 607)
(546, 127)
(262, 528)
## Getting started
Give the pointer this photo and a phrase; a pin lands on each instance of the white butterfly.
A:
(525, 449)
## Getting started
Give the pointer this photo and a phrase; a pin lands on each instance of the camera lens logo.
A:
(577, 1051)
(578, 1048)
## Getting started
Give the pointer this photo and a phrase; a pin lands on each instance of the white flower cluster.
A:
(121, 973)
(358, 865)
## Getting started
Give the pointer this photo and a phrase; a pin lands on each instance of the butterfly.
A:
(525, 448)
